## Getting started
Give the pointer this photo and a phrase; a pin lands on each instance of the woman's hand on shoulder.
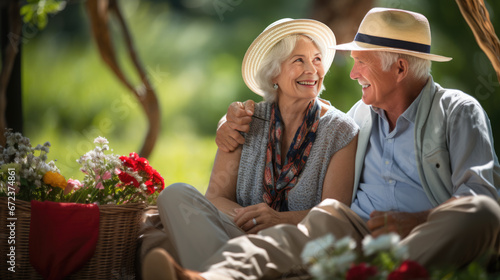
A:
(256, 217)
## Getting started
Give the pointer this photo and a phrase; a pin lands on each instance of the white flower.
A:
(11, 141)
(317, 270)
(43, 157)
(347, 243)
(101, 140)
(11, 151)
(385, 242)
(317, 248)
(401, 252)
(343, 262)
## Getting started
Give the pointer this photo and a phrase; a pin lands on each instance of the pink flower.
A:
(99, 186)
(106, 175)
(72, 185)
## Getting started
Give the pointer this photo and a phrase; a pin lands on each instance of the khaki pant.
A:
(455, 234)
(195, 228)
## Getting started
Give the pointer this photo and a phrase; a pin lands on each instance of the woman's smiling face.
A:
(302, 72)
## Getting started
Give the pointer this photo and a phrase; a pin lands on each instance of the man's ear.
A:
(402, 68)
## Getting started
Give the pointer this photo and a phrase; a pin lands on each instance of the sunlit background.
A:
(192, 52)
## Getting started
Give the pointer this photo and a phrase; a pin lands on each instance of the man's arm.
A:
(238, 119)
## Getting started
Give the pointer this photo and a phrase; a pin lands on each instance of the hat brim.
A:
(359, 46)
(275, 33)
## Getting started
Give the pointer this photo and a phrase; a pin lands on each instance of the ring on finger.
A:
(254, 221)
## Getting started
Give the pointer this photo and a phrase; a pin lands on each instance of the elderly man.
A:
(425, 164)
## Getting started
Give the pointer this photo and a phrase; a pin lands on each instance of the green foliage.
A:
(474, 271)
(36, 12)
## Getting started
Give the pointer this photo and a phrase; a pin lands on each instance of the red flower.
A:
(150, 187)
(152, 179)
(409, 270)
(133, 155)
(146, 168)
(141, 162)
(127, 179)
(158, 180)
(129, 162)
(360, 272)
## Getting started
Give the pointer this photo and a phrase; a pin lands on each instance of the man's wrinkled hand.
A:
(238, 118)
(239, 115)
(402, 223)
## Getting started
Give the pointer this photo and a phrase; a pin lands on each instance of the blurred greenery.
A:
(192, 51)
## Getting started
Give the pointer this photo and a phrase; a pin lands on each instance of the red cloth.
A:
(63, 237)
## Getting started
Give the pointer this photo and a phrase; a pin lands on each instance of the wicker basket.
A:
(115, 253)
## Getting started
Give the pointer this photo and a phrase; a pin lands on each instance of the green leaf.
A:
(42, 21)
(42, 10)
(26, 9)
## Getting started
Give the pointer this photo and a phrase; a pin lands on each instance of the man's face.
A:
(377, 85)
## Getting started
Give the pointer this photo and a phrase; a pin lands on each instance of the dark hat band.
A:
(392, 43)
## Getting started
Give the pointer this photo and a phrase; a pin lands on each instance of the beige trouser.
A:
(195, 228)
(455, 234)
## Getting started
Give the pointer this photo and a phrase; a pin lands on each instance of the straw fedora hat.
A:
(394, 30)
(273, 34)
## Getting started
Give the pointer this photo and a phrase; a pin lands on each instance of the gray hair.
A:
(270, 67)
(419, 68)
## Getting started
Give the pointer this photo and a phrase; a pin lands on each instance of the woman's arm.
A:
(222, 186)
(339, 179)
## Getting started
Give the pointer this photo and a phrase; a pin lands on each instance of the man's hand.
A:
(402, 223)
(238, 118)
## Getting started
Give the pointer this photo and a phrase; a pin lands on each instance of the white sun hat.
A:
(274, 33)
(394, 30)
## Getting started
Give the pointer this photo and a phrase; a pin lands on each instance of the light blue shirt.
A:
(390, 179)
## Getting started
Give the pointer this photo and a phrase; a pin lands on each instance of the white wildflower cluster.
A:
(30, 163)
(98, 166)
(327, 258)
(384, 243)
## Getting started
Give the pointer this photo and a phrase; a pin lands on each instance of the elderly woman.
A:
(298, 151)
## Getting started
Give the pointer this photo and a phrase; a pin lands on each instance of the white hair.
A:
(270, 67)
(419, 68)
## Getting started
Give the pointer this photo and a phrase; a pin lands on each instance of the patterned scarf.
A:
(280, 177)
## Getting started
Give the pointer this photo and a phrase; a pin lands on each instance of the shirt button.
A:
(386, 162)
(391, 181)
(390, 140)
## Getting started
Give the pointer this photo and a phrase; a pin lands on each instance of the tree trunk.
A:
(342, 16)
(476, 15)
(98, 13)
(10, 76)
